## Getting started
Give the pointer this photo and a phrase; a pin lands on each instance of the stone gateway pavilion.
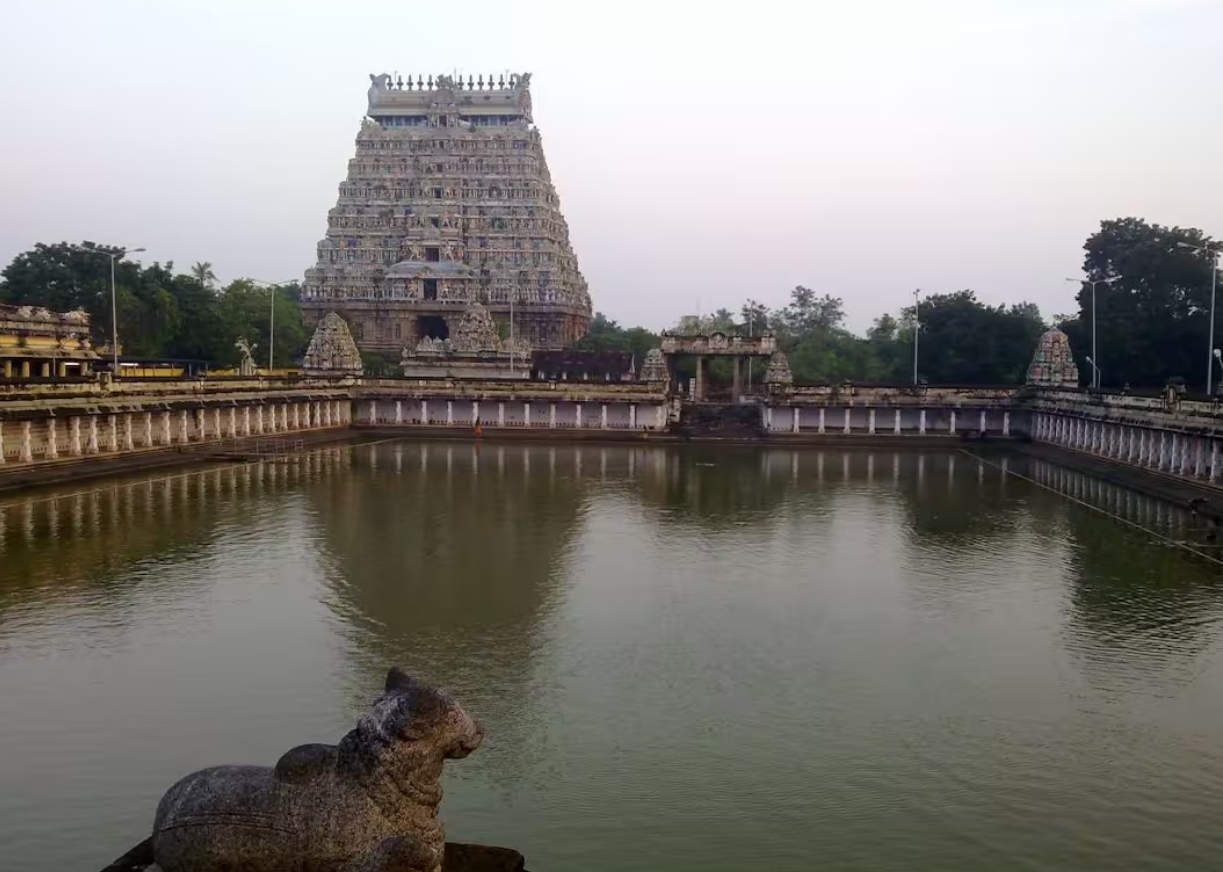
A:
(447, 203)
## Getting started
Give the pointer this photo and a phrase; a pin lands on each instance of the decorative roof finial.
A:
(430, 82)
(501, 81)
(471, 84)
(398, 81)
(481, 82)
(420, 82)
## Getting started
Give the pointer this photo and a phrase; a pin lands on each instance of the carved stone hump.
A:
(368, 804)
(654, 368)
(332, 351)
(778, 372)
(1053, 362)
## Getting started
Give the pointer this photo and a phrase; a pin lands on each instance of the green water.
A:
(685, 659)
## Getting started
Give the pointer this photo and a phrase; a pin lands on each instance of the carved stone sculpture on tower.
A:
(246, 366)
(778, 372)
(1053, 363)
(654, 367)
(367, 804)
(332, 353)
(475, 332)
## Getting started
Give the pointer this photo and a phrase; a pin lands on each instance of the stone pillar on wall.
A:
(74, 436)
(500, 413)
(148, 430)
(92, 444)
(114, 433)
(167, 435)
(450, 413)
(921, 422)
(233, 422)
(870, 421)
(399, 411)
(632, 415)
(184, 427)
(128, 442)
(246, 420)
(1213, 472)
(52, 439)
(981, 427)
(526, 414)
(577, 415)
(25, 448)
(1006, 423)
(896, 422)
(821, 420)
(552, 415)
(768, 417)
(848, 419)
(951, 426)
(373, 411)
(797, 424)
(2, 457)
(603, 416)
(259, 426)
(297, 416)
(475, 413)
(1198, 458)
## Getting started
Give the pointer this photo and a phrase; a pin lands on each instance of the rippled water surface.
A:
(685, 659)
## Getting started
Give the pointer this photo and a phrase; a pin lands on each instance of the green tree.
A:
(964, 341)
(1153, 320)
(202, 272)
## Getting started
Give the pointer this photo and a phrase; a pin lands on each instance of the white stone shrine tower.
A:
(448, 202)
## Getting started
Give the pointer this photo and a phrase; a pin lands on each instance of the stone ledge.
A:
(459, 858)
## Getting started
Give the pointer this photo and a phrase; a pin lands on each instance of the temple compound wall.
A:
(448, 202)
(73, 422)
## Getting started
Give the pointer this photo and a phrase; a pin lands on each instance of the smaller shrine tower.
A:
(1053, 363)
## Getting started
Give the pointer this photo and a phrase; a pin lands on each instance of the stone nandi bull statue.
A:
(368, 804)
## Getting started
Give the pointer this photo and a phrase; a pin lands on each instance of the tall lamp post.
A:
(916, 330)
(272, 287)
(114, 306)
(1095, 370)
(1214, 280)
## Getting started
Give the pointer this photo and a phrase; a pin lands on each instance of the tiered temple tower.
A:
(448, 202)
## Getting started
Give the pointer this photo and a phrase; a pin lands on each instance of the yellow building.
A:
(39, 343)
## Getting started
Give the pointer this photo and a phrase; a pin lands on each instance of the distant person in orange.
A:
(479, 430)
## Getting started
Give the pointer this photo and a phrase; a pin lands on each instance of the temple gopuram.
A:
(448, 203)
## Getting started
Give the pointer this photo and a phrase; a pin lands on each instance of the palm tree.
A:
(203, 274)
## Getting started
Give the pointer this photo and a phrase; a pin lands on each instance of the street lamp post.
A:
(114, 306)
(1095, 379)
(1095, 372)
(1214, 280)
(916, 330)
(272, 288)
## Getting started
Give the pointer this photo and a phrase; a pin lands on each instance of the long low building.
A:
(38, 343)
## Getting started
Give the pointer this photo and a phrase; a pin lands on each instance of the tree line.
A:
(1152, 309)
(163, 313)
(1152, 323)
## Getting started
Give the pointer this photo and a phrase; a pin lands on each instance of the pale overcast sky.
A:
(703, 151)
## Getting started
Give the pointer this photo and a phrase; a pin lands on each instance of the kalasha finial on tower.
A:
(430, 82)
